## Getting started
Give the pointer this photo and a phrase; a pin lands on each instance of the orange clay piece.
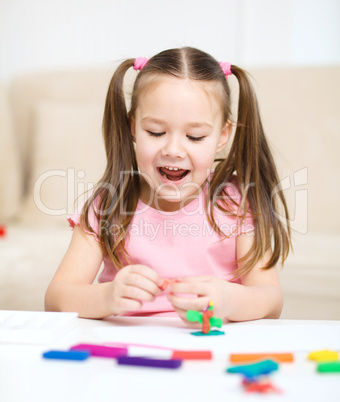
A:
(192, 355)
(252, 357)
(206, 315)
(263, 387)
(167, 282)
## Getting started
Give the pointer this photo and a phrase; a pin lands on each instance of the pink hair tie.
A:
(140, 63)
(226, 68)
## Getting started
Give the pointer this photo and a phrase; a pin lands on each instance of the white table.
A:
(26, 376)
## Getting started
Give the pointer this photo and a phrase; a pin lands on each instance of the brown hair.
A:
(249, 158)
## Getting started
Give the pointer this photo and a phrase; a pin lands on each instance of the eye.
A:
(195, 139)
(155, 134)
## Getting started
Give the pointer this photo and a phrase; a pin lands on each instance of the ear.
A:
(224, 137)
(133, 128)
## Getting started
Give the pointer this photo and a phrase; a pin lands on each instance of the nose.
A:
(173, 147)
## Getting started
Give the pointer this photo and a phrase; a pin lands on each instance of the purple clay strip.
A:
(144, 362)
(100, 350)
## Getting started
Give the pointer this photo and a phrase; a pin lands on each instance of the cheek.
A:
(144, 153)
(205, 157)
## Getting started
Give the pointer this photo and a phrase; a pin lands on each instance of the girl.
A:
(160, 212)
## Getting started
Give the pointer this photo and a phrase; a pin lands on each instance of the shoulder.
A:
(86, 211)
(233, 188)
(82, 259)
(229, 202)
(230, 191)
(84, 242)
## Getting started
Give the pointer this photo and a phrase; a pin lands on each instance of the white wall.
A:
(48, 34)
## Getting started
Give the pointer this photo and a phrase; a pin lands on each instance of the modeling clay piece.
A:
(331, 367)
(206, 319)
(144, 362)
(192, 355)
(255, 376)
(264, 367)
(206, 316)
(161, 352)
(213, 332)
(196, 316)
(67, 354)
(100, 350)
(254, 357)
(167, 282)
(324, 356)
(262, 386)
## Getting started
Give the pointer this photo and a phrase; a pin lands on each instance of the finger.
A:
(124, 305)
(147, 272)
(203, 278)
(135, 293)
(190, 287)
(180, 312)
(184, 303)
(183, 315)
(142, 282)
(166, 282)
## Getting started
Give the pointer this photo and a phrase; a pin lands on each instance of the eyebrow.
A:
(152, 120)
(192, 124)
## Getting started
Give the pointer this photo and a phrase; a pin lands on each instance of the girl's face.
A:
(178, 129)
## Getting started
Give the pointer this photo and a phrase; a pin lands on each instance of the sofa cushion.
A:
(67, 158)
(311, 277)
(10, 169)
(60, 86)
(300, 111)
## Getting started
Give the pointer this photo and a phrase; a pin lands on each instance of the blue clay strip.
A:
(67, 354)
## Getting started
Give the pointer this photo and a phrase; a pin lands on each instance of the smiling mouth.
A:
(173, 173)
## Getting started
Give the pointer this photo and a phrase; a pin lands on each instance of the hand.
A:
(206, 289)
(131, 286)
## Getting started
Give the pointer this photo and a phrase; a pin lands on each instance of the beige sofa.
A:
(51, 151)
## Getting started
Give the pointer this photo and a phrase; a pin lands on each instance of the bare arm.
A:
(259, 295)
(72, 288)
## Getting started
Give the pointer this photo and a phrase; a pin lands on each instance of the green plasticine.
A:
(216, 322)
(194, 316)
(330, 367)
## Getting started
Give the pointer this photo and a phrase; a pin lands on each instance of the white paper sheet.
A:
(34, 327)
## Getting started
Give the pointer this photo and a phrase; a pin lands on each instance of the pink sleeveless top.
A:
(177, 244)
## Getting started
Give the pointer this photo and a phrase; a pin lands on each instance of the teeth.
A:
(171, 168)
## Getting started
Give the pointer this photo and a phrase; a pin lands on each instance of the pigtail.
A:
(118, 189)
(250, 157)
